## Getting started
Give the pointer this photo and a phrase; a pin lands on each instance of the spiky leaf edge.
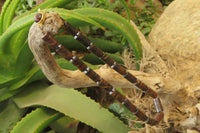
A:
(72, 103)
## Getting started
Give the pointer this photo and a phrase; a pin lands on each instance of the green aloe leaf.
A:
(4, 8)
(24, 80)
(17, 41)
(9, 14)
(45, 5)
(126, 8)
(67, 14)
(71, 103)
(65, 125)
(5, 93)
(9, 115)
(15, 27)
(107, 46)
(36, 121)
(23, 61)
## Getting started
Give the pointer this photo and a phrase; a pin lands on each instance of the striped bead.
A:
(88, 47)
(87, 70)
(72, 59)
(58, 47)
(125, 75)
(112, 91)
(76, 36)
(124, 101)
(99, 80)
(136, 111)
(114, 64)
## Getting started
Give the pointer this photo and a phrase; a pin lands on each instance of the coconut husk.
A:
(175, 38)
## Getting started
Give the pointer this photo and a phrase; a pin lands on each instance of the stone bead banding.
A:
(76, 36)
(136, 111)
(125, 75)
(72, 59)
(88, 47)
(124, 101)
(114, 64)
(58, 47)
(112, 91)
(157, 104)
(99, 80)
(87, 70)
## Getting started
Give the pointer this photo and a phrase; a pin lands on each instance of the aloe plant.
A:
(19, 73)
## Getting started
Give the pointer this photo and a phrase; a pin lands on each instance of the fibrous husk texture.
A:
(176, 39)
